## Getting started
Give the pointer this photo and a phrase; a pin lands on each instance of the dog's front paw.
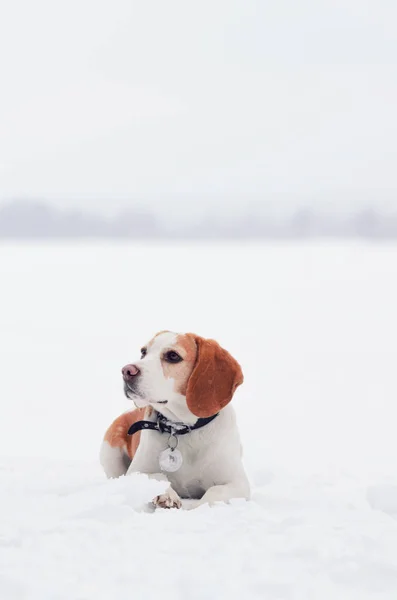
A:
(168, 500)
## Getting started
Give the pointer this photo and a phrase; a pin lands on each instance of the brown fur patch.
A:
(180, 372)
(117, 434)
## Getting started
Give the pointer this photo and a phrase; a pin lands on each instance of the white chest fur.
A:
(211, 456)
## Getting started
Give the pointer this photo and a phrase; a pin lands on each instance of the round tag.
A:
(170, 460)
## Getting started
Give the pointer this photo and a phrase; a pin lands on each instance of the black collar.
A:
(163, 425)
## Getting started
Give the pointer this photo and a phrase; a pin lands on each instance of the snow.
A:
(314, 327)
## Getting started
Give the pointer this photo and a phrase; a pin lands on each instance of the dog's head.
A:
(183, 376)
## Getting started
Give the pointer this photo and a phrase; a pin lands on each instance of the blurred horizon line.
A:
(37, 219)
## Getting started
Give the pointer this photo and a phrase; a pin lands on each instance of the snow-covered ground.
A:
(315, 329)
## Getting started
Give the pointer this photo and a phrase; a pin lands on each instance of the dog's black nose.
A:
(129, 372)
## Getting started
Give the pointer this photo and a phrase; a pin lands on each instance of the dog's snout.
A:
(129, 372)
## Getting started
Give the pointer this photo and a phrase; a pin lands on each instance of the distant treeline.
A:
(26, 219)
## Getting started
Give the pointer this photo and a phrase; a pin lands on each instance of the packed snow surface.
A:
(315, 329)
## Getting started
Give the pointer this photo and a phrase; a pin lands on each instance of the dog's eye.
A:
(172, 357)
(143, 352)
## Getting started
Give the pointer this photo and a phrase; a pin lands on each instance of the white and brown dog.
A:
(182, 386)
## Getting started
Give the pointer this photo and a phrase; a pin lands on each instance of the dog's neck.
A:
(181, 416)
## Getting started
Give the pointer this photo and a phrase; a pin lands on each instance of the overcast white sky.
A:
(102, 101)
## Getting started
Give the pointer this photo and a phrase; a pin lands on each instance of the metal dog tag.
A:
(170, 460)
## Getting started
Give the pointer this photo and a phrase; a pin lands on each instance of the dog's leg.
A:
(145, 461)
(170, 498)
(224, 493)
(118, 448)
(114, 460)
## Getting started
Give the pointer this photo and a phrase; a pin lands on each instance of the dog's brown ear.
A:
(214, 379)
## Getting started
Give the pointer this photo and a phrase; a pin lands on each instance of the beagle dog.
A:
(184, 429)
